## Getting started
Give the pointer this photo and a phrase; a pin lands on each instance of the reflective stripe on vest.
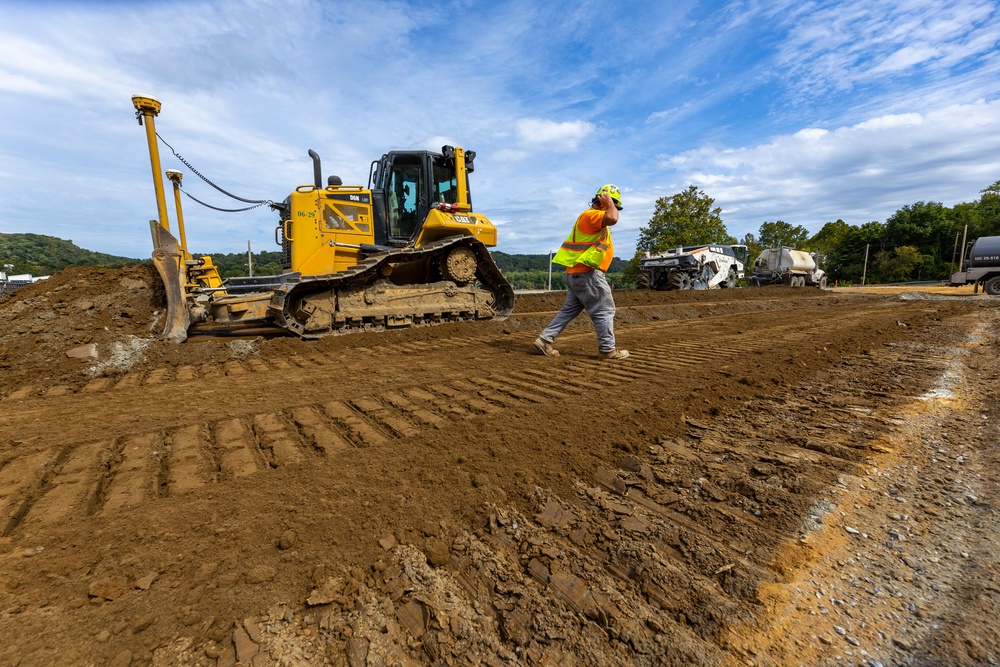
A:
(586, 249)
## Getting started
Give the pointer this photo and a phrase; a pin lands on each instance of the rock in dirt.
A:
(414, 617)
(121, 659)
(83, 352)
(245, 647)
(261, 574)
(437, 552)
(107, 588)
(287, 540)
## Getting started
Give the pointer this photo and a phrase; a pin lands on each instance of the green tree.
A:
(754, 248)
(966, 221)
(830, 235)
(42, 255)
(899, 265)
(989, 211)
(845, 261)
(929, 227)
(780, 233)
(683, 219)
(828, 240)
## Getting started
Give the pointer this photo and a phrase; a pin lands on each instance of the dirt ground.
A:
(775, 476)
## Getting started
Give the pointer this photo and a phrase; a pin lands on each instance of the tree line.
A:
(920, 241)
(42, 255)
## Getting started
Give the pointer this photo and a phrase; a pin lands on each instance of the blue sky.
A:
(800, 111)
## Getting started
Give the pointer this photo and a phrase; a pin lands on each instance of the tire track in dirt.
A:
(181, 460)
(311, 362)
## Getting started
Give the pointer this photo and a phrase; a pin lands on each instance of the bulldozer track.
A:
(367, 271)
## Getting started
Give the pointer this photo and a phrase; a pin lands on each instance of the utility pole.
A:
(954, 253)
(864, 274)
(550, 270)
(249, 260)
(961, 261)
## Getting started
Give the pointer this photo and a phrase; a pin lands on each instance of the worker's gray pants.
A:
(588, 291)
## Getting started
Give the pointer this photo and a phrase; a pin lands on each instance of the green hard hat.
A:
(613, 192)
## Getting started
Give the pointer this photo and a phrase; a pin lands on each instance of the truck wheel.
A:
(678, 281)
(642, 281)
(730, 281)
(992, 286)
(822, 283)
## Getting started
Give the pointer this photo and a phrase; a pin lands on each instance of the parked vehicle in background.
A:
(787, 266)
(10, 283)
(982, 266)
(692, 267)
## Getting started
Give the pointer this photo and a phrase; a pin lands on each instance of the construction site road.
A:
(775, 476)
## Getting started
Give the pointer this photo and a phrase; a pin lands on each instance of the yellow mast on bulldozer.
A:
(178, 269)
(168, 255)
(146, 109)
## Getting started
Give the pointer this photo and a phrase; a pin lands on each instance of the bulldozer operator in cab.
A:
(587, 253)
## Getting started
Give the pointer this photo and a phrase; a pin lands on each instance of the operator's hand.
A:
(605, 201)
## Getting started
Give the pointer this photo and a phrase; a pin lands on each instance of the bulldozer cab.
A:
(414, 182)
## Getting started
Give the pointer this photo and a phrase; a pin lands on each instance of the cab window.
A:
(445, 184)
(405, 186)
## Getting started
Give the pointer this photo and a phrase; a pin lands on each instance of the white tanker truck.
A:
(787, 266)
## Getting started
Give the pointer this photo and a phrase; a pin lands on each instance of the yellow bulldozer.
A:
(406, 250)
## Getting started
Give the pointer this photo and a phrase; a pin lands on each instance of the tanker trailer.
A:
(787, 266)
(981, 266)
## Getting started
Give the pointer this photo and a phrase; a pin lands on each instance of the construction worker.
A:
(587, 253)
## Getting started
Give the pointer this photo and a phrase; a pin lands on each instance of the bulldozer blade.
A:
(168, 260)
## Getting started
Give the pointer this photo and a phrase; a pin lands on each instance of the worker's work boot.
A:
(614, 354)
(546, 348)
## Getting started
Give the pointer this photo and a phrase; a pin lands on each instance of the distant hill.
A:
(42, 255)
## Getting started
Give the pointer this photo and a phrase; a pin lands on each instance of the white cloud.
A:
(906, 57)
(891, 121)
(811, 133)
(537, 133)
(855, 43)
(860, 172)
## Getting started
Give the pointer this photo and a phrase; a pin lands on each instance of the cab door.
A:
(407, 201)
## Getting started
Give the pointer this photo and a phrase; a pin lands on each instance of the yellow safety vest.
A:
(586, 249)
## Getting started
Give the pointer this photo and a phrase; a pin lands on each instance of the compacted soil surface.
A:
(774, 476)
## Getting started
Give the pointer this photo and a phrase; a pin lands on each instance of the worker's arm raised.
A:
(607, 204)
